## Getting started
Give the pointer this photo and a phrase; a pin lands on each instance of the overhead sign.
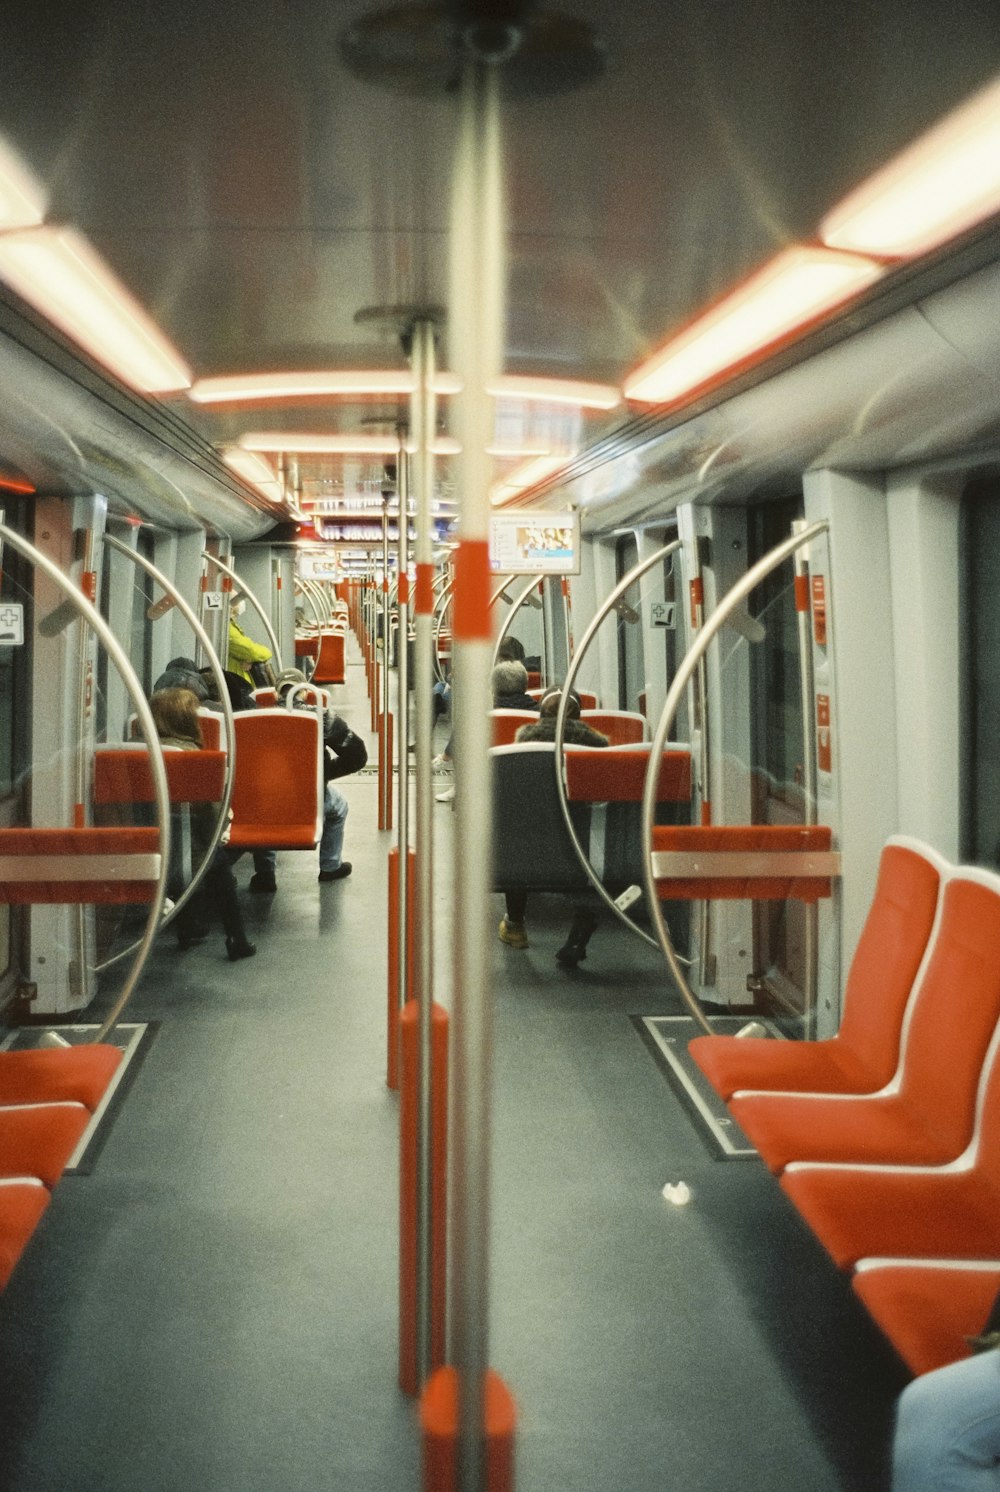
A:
(533, 543)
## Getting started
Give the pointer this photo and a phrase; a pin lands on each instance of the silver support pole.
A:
(423, 421)
(809, 806)
(386, 784)
(92, 617)
(403, 715)
(691, 661)
(477, 282)
(254, 602)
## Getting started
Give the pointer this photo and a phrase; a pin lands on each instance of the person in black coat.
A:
(576, 733)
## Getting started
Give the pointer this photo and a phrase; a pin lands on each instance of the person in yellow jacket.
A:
(242, 649)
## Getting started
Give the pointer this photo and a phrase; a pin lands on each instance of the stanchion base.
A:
(439, 1424)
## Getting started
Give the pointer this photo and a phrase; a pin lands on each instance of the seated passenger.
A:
(175, 715)
(509, 682)
(948, 1428)
(512, 931)
(343, 752)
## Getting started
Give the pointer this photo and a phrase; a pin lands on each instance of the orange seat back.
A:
(277, 797)
(331, 659)
(507, 723)
(622, 727)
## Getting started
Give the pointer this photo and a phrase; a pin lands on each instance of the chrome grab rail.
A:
(90, 614)
(685, 672)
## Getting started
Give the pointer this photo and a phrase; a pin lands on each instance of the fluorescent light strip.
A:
(946, 181)
(330, 384)
(555, 391)
(522, 477)
(255, 470)
(57, 271)
(798, 287)
(22, 198)
(305, 444)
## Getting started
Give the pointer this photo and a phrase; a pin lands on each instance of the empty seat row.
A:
(886, 1137)
(47, 1097)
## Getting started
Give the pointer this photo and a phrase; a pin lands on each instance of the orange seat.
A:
(306, 647)
(925, 1114)
(277, 800)
(618, 775)
(946, 1211)
(928, 1309)
(622, 727)
(38, 1139)
(331, 659)
(123, 775)
(80, 1074)
(507, 723)
(23, 1199)
(863, 1056)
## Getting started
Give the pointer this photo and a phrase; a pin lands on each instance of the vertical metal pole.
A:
(809, 805)
(403, 712)
(423, 420)
(382, 680)
(477, 276)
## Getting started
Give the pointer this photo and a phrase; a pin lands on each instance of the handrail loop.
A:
(190, 616)
(675, 693)
(561, 717)
(90, 614)
(252, 598)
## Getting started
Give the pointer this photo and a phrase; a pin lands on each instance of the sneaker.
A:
(343, 869)
(441, 762)
(447, 796)
(513, 934)
(263, 884)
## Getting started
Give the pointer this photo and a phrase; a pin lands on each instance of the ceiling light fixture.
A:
(56, 270)
(331, 384)
(529, 474)
(22, 198)
(555, 391)
(946, 181)
(305, 444)
(255, 470)
(798, 288)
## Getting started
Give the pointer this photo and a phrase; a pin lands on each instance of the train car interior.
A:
(499, 701)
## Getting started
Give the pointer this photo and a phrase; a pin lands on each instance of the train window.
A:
(979, 690)
(15, 713)
(631, 671)
(776, 747)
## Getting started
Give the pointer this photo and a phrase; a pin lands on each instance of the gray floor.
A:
(214, 1307)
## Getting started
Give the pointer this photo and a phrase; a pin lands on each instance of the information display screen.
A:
(534, 543)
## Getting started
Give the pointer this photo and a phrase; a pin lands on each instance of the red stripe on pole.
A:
(403, 592)
(409, 1031)
(423, 591)
(471, 620)
(801, 593)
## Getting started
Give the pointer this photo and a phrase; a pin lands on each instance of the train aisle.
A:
(214, 1306)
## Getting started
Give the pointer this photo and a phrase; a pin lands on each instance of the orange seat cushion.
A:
(55, 1074)
(927, 1312)
(21, 1205)
(38, 1141)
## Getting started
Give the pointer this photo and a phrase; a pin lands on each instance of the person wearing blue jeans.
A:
(332, 867)
(948, 1429)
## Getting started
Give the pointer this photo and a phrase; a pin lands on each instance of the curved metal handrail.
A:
(512, 613)
(303, 589)
(675, 693)
(561, 715)
(90, 614)
(191, 617)
(251, 597)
